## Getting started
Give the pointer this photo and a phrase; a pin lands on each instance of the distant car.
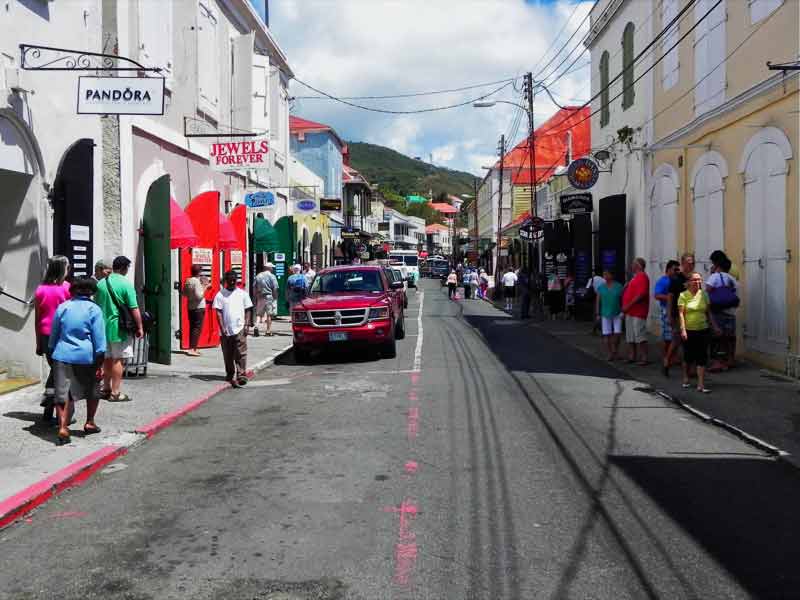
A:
(349, 306)
(397, 275)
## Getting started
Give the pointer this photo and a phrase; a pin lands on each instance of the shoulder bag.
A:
(126, 321)
(723, 297)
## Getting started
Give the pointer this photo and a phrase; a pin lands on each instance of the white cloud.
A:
(377, 47)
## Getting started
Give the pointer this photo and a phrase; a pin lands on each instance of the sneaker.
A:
(235, 383)
(242, 381)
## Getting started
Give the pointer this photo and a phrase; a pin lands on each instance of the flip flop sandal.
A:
(91, 430)
(686, 386)
(119, 398)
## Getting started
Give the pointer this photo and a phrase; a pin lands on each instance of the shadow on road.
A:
(743, 511)
(329, 357)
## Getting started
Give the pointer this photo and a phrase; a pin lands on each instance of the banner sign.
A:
(330, 204)
(583, 173)
(202, 256)
(229, 156)
(259, 199)
(576, 204)
(236, 257)
(348, 233)
(120, 95)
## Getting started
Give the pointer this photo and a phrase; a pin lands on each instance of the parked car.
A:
(397, 275)
(349, 306)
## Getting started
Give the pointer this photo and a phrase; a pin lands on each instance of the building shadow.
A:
(329, 357)
(743, 511)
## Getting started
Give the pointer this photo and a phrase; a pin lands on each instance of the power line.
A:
(577, 29)
(411, 94)
(633, 62)
(558, 35)
(403, 112)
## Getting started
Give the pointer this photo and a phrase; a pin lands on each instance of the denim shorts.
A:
(666, 328)
(727, 323)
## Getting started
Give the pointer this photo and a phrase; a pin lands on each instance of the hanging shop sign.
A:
(249, 154)
(330, 204)
(348, 233)
(576, 204)
(583, 173)
(306, 206)
(120, 95)
(279, 257)
(202, 256)
(526, 232)
(259, 199)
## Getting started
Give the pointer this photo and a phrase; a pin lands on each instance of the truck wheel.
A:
(389, 349)
(301, 355)
(400, 328)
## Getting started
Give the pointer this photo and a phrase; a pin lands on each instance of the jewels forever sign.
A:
(230, 156)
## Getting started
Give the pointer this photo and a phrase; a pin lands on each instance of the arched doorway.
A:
(23, 251)
(317, 251)
(765, 167)
(709, 207)
(73, 207)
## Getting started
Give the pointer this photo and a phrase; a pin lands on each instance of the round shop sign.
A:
(582, 173)
(306, 205)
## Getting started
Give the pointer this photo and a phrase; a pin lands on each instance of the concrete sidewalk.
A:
(755, 401)
(29, 453)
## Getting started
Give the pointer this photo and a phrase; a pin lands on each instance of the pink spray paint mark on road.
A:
(414, 378)
(411, 467)
(412, 423)
(405, 550)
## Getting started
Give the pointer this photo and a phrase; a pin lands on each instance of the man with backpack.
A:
(296, 286)
(723, 293)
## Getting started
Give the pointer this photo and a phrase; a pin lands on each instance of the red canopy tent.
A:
(228, 240)
(182, 233)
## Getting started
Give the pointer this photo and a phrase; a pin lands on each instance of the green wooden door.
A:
(157, 269)
(286, 238)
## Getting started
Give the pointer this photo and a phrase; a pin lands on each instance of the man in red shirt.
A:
(635, 306)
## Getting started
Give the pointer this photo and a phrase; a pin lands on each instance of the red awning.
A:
(182, 233)
(227, 234)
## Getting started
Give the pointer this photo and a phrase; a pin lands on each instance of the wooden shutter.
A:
(243, 82)
(208, 57)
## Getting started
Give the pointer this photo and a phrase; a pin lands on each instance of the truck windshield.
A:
(347, 281)
(407, 259)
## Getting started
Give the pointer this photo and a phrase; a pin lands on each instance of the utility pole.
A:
(477, 228)
(529, 93)
(501, 149)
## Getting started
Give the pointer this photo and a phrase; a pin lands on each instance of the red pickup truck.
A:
(348, 306)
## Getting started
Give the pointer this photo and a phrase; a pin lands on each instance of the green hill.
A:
(405, 175)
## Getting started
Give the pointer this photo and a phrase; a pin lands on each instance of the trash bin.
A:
(137, 366)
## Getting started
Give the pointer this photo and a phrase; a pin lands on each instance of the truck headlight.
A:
(378, 313)
(299, 316)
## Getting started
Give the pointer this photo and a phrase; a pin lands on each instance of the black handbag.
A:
(126, 321)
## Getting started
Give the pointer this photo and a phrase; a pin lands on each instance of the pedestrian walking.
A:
(296, 286)
(77, 346)
(608, 308)
(636, 307)
(474, 283)
(661, 293)
(722, 290)
(309, 273)
(677, 285)
(116, 297)
(524, 287)
(233, 308)
(195, 289)
(102, 269)
(509, 283)
(595, 282)
(555, 295)
(569, 296)
(452, 284)
(266, 289)
(695, 317)
(466, 283)
(49, 295)
(484, 283)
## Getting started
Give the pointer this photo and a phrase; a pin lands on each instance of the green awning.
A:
(416, 200)
(265, 238)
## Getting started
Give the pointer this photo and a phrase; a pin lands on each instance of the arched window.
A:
(605, 115)
(627, 66)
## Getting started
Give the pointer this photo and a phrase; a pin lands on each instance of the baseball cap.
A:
(269, 265)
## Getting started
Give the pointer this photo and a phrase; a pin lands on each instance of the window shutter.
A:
(243, 81)
(700, 58)
(207, 60)
(628, 93)
(605, 117)
(260, 110)
(669, 68)
(761, 9)
(715, 90)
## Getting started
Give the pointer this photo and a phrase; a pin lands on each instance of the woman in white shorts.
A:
(608, 308)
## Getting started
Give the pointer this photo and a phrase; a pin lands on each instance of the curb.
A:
(17, 506)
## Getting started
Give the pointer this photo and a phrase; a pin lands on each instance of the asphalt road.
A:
(487, 461)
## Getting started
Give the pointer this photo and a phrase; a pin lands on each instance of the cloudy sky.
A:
(385, 47)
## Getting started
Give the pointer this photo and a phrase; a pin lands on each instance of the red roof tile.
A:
(443, 207)
(298, 124)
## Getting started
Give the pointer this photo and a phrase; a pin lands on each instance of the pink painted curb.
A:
(164, 421)
(37, 494)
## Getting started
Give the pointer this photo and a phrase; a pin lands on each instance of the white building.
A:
(489, 207)
(622, 126)
(50, 164)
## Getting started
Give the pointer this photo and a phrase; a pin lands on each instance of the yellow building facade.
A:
(724, 159)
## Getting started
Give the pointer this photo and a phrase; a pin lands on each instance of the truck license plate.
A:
(337, 336)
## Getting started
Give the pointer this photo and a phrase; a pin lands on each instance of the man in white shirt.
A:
(232, 306)
(309, 274)
(509, 281)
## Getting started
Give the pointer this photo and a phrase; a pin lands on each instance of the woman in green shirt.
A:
(694, 312)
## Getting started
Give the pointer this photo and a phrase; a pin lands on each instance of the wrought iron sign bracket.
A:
(48, 58)
(194, 127)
